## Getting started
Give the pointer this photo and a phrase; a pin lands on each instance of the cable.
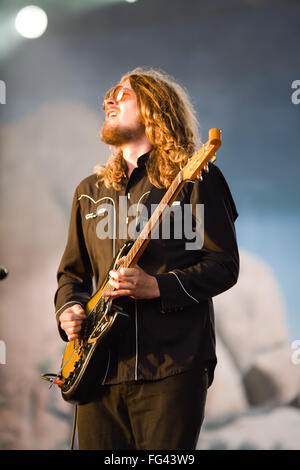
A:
(74, 427)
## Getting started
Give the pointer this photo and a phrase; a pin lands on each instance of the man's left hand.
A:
(134, 282)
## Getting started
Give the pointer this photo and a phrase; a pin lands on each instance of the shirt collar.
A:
(142, 159)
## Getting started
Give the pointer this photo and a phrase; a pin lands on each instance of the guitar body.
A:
(86, 360)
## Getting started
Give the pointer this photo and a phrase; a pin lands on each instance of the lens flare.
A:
(31, 22)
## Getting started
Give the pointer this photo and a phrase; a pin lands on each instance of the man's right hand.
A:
(71, 321)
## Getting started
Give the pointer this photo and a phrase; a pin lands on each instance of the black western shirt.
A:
(176, 331)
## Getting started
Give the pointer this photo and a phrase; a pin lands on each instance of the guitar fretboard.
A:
(145, 236)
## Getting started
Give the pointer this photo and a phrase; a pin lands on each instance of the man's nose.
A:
(109, 101)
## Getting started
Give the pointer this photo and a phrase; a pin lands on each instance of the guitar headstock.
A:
(199, 161)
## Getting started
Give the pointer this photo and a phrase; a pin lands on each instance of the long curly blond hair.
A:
(171, 127)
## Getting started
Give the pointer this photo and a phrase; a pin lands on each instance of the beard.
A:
(117, 135)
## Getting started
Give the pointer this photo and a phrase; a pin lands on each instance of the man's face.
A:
(122, 124)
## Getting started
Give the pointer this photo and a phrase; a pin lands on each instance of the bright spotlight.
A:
(31, 22)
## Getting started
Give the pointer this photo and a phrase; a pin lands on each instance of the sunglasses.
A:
(117, 93)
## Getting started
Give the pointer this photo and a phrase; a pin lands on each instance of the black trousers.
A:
(166, 414)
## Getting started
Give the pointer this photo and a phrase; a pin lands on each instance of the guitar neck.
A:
(192, 170)
(144, 238)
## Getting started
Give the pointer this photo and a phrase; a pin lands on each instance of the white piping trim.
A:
(136, 343)
(137, 216)
(139, 201)
(172, 272)
(70, 302)
(137, 206)
(89, 216)
(93, 200)
(108, 363)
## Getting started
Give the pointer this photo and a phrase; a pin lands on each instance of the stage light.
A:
(131, 1)
(31, 22)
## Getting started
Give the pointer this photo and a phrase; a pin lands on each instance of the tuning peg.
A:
(206, 168)
(213, 159)
(200, 177)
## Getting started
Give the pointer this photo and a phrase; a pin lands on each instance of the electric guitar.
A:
(86, 360)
